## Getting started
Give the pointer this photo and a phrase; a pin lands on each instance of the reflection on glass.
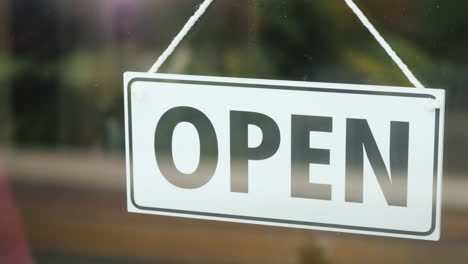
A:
(62, 193)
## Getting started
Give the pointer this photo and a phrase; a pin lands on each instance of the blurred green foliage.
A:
(61, 68)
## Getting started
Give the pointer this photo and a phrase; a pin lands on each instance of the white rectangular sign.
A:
(338, 157)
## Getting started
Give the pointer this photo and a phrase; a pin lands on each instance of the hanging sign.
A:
(338, 157)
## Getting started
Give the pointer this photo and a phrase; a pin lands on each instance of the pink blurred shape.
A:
(13, 245)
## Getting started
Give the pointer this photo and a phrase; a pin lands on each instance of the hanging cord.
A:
(201, 10)
(406, 71)
(175, 42)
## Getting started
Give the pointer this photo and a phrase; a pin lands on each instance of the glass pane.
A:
(62, 160)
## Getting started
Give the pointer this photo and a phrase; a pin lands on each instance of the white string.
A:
(175, 42)
(201, 10)
(384, 44)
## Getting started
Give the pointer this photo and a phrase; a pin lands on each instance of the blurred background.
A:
(62, 171)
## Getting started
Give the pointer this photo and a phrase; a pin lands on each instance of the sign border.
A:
(165, 78)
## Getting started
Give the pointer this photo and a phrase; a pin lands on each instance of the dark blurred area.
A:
(62, 131)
